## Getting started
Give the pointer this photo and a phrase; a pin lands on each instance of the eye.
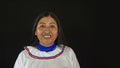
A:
(52, 26)
(42, 26)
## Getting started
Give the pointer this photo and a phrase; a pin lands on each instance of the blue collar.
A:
(46, 49)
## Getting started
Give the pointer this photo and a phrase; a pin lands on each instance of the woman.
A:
(47, 49)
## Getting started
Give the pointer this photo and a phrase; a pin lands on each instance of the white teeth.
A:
(47, 36)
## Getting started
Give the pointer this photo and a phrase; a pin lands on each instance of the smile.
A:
(47, 36)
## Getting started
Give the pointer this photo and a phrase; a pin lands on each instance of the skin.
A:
(47, 31)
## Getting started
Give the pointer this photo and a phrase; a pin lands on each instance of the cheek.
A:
(55, 34)
(38, 32)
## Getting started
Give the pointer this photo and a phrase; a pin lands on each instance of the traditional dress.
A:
(60, 57)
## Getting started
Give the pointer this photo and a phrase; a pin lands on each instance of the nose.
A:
(47, 30)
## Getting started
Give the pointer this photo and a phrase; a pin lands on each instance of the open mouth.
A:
(47, 36)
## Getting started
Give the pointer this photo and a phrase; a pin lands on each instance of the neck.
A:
(46, 45)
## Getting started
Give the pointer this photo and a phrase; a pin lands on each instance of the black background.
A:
(78, 19)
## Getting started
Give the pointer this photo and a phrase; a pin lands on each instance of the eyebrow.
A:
(52, 23)
(41, 23)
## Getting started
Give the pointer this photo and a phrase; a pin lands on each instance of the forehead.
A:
(48, 19)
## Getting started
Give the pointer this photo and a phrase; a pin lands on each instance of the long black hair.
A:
(60, 38)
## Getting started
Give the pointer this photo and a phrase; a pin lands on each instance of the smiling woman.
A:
(47, 31)
(47, 48)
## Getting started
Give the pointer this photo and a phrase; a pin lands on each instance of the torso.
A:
(55, 59)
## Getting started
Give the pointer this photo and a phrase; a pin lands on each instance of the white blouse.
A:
(61, 57)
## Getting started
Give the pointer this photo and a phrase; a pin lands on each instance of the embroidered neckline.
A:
(43, 58)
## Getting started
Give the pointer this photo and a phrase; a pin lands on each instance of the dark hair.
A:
(60, 39)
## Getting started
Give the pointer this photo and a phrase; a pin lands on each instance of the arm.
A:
(74, 60)
(19, 61)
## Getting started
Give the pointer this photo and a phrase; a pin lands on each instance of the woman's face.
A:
(47, 31)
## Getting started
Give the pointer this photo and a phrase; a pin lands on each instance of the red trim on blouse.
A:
(44, 58)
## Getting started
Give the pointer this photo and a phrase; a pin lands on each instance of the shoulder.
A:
(68, 50)
(24, 52)
(65, 48)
